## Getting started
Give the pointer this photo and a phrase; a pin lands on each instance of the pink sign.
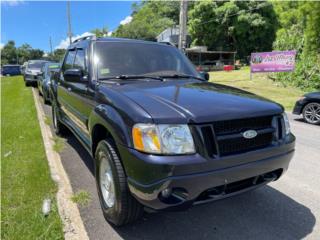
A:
(273, 61)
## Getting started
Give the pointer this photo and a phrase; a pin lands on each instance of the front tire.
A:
(45, 98)
(118, 205)
(58, 126)
(311, 113)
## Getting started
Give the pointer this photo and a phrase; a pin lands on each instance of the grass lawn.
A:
(260, 85)
(25, 176)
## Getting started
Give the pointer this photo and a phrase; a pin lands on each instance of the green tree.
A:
(36, 54)
(57, 55)
(300, 31)
(9, 54)
(23, 53)
(243, 26)
(299, 26)
(312, 30)
(103, 32)
(149, 18)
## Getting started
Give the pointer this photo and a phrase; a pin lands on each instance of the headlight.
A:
(286, 123)
(28, 71)
(163, 138)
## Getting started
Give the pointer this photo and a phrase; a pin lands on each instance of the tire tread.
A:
(131, 209)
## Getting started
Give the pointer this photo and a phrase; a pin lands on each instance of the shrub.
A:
(305, 76)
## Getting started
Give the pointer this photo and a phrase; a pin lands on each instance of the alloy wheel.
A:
(311, 113)
(107, 182)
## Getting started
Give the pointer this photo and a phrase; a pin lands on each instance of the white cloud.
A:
(12, 3)
(126, 20)
(1, 45)
(64, 43)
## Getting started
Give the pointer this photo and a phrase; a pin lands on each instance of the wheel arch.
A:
(309, 101)
(105, 122)
(99, 133)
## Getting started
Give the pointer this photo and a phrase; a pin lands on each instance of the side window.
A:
(79, 61)
(68, 62)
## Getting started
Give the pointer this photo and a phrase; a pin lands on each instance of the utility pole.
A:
(50, 44)
(183, 25)
(69, 22)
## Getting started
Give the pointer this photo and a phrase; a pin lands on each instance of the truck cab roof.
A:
(83, 42)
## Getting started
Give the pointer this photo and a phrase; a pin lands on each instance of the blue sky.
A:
(34, 22)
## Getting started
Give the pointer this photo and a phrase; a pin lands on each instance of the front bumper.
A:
(298, 107)
(192, 179)
(31, 78)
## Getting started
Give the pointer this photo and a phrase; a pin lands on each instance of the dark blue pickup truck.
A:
(162, 137)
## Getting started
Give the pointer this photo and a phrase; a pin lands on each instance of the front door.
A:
(77, 100)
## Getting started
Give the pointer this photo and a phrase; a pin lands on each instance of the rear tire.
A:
(59, 128)
(124, 208)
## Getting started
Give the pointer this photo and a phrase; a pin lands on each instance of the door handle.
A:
(69, 89)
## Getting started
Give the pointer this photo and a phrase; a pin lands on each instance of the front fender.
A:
(108, 117)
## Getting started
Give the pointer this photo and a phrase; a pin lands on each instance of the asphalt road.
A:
(286, 209)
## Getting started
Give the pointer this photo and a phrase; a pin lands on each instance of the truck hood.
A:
(189, 101)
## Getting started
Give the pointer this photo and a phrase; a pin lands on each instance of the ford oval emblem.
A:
(250, 134)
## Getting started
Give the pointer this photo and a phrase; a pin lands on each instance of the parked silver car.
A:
(32, 70)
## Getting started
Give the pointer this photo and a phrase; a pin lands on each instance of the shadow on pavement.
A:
(261, 214)
(300, 120)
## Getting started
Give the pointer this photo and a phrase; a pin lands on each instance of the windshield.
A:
(36, 65)
(127, 58)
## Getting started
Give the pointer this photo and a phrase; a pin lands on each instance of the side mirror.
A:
(73, 75)
(205, 75)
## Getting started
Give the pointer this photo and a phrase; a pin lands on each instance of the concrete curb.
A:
(68, 210)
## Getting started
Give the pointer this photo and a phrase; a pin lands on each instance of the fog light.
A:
(166, 193)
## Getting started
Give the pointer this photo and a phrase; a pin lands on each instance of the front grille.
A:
(226, 137)
(240, 125)
(240, 144)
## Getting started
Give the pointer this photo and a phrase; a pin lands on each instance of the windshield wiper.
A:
(181, 76)
(129, 77)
